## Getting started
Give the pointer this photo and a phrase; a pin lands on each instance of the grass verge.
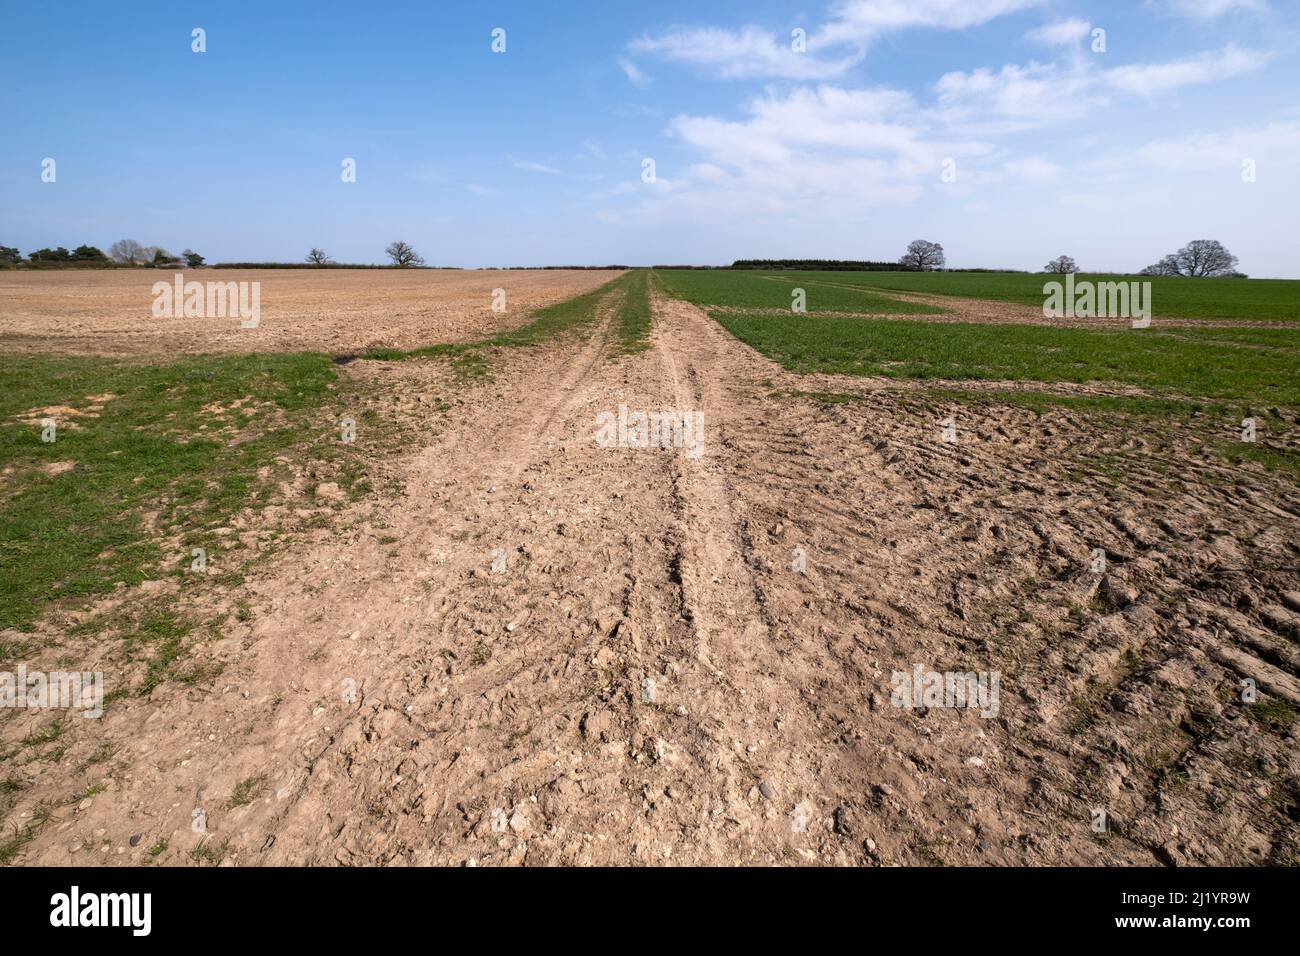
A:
(633, 319)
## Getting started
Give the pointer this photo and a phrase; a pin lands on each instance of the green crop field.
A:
(1274, 299)
(755, 290)
(1247, 365)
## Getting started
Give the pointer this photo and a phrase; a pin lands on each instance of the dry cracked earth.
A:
(529, 649)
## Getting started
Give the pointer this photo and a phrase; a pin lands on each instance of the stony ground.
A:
(526, 648)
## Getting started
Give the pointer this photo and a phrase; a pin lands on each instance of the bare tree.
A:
(1168, 266)
(127, 252)
(1061, 265)
(158, 256)
(922, 255)
(403, 255)
(318, 257)
(1198, 259)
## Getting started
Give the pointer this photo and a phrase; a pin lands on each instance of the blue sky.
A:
(534, 156)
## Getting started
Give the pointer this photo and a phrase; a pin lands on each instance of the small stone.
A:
(766, 790)
(974, 762)
(136, 838)
(518, 822)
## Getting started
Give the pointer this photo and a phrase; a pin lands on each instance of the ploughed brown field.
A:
(109, 312)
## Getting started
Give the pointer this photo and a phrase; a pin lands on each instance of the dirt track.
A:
(505, 717)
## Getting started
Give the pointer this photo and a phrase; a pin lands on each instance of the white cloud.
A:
(1274, 147)
(1209, 9)
(811, 163)
(753, 51)
(1061, 33)
(1029, 95)
(1036, 94)
(1149, 79)
(740, 54)
(811, 149)
(536, 167)
(860, 21)
(806, 122)
(484, 191)
(635, 75)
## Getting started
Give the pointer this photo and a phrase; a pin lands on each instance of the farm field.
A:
(475, 634)
(1275, 300)
(337, 311)
(1254, 366)
(748, 290)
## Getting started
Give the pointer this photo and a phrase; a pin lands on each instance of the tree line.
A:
(123, 253)
(1201, 258)
(129, 253)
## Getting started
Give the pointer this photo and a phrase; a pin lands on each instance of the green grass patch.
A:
(633, 319)
(760, 291)
(1273, 712)
(1251, 370)
(177, 450)
(160, 635)
(246, 792)
(12, 842)
(47, 736)
(210, 853)
(561, 318)
(1275, 299)
(1283, 460)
